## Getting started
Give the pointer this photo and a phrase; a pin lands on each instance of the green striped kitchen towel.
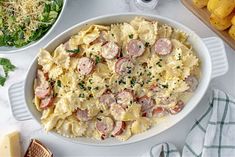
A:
(212, 135)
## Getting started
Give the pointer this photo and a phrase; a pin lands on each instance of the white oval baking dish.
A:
(10, 50)
(210, 51)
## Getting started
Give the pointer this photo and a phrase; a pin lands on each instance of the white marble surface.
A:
(77, 11)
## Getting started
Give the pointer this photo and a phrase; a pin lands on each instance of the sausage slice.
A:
(135, 48)
(124, 66)
(85, 65)
(163, 46)
(110, 50)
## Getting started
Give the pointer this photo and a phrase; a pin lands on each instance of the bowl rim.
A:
(83, 23)
(13, 49)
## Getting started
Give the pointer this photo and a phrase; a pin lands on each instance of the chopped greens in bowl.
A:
(25, 21)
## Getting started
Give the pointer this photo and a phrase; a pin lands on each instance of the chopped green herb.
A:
(149, 80)
(73, 51)
(159, 64)
(165, 86)
(90, 81)
(178, 67)
(81, 85)
(146, 44)
(131, 36)
(133, 81)
(179, 56)
(89, 88)
(2, 80)
(149, 74)
(82, 95)
(97, 59)
(121, 81)
(112, 34)
(58, 83)
(96, 88)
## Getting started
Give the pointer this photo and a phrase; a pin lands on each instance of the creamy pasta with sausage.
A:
(115, 81)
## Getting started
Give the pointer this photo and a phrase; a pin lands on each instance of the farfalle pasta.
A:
(115, 80)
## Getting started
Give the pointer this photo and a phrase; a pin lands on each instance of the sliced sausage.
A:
(192, 83)
(159, 112)
(85, 65)
(110, 50)
(107, 99)
(135, 48)
(177, 108)
(43, 90)
(116, 111)
(124, 66)
(146, 103)
(82, 115)
(163, 46)
(104, 125)
(124, 98)
(47, 102)
(120, 126)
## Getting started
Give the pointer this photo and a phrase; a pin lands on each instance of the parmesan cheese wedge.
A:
(10, 145)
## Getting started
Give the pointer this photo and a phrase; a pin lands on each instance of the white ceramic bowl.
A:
(210, 51)
(9, 50)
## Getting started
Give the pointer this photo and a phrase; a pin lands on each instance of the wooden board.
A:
(204, 15)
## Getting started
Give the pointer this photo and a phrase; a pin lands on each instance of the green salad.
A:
(24, 21)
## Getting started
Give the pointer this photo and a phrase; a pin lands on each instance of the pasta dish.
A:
(115, 80)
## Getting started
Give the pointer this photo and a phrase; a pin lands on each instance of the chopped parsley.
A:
(90, 81)
(131, 36)
(89, 88)
(2, 80)
(159, 64)
(96, 88)
(133, 81)
(146, 44)
(149, 74)
(179, 56)
(97, 59)
(82, 95)
(121, 81)
(73, 51)
(164, 86)
(178, 67)
(58, 82)
(112, 34)
(81, 85)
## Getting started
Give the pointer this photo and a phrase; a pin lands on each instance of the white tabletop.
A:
(77, 11)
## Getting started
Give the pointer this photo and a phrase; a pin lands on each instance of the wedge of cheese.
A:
(10, 145)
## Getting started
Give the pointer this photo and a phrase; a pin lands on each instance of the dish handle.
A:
(17, 102)
(217, 52)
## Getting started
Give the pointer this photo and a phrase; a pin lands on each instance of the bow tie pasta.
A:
(115, 80)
